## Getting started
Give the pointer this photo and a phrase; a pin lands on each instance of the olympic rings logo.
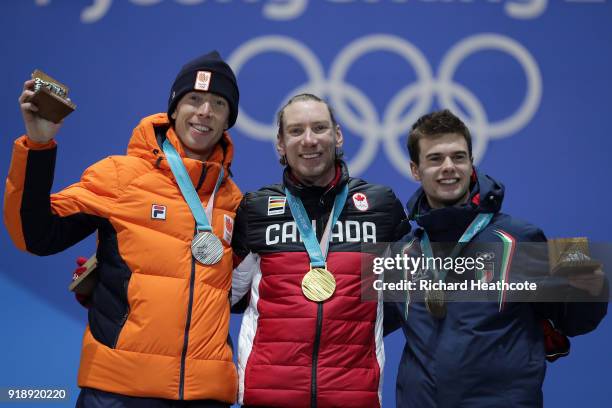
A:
(397, 119)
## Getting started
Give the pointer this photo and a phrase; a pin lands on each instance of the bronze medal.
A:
(436, 305)
(318, 284)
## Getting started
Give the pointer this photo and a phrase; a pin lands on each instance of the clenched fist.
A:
(38, 129)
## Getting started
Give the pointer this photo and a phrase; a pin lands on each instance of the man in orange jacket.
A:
(159, 317)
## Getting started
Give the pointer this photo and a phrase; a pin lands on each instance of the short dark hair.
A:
(299, 98)
(435, 124)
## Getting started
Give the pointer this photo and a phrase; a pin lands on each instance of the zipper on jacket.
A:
(315, 356)
(201, 180)
(124, 317)
(187, 325)
(189, 307)
(317, 341)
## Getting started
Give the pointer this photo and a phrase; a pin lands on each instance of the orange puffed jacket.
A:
(159, 320)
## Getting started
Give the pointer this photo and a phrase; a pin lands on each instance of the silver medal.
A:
(207, 248)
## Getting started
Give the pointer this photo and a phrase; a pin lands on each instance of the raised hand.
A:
(590, 282)
(38, 129)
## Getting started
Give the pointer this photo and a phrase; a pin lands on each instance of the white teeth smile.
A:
(200, 128)
(311, 156)
(449, 181)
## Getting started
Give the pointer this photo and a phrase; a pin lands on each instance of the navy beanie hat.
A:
(207, 73)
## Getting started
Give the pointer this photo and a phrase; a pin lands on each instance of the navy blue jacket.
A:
(489, 353)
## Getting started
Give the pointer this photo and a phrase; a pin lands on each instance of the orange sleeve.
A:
(42, 223)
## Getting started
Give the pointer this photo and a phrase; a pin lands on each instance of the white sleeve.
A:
(242, 277)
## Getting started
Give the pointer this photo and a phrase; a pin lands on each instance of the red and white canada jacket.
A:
(294, 352)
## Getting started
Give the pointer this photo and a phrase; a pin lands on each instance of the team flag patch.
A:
(506, 262)
(202, 81)
(486, 274)
(228, 228)
(361, 201)
(276, 205)
(158, 212)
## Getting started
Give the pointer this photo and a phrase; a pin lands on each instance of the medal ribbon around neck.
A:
(436, 297)
(318, 284)
(206, 247)
(477, 225)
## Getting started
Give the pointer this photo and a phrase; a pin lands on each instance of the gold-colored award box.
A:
(51, 97)
(568, 256)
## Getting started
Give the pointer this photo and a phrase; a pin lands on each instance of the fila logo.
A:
(202, 81)
(158, 212)
(361, 201)
(347, 231)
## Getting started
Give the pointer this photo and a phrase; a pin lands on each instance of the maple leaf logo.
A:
(361, 201)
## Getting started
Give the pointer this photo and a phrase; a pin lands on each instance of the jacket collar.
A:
(303, 191)
(448, 223)
(147, 140)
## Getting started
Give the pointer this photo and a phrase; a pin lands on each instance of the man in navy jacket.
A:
(486, 353)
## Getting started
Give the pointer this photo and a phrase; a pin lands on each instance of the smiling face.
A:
(200, 120)
(444, 169)
(308, 140)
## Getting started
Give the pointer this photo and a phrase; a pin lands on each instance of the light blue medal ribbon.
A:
(318, 284)
(206, 247)
(317, 252)
(477, 225)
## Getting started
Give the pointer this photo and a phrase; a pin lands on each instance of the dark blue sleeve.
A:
(393, 317)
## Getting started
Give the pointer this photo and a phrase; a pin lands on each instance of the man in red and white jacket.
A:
(293, 351)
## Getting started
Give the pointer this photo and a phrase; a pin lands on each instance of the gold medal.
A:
(436, 306)
(318, 284)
